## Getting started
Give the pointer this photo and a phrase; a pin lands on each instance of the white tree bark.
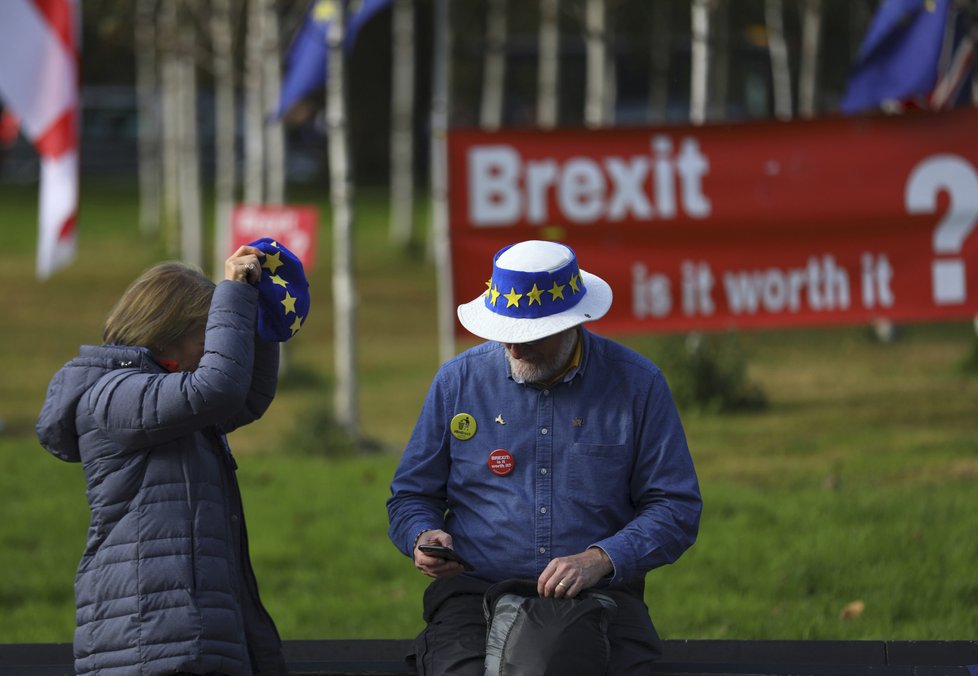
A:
(440, 97)
(222, 43)
(811, 43)
(595, 105)
(700, 61)
(548, 74)
(341, 194)
(778, 48)
(254, 123)
(494, 68)
(147, 96)
(402, 124)
(270, 89)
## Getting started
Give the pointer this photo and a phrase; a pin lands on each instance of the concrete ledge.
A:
(385, 657)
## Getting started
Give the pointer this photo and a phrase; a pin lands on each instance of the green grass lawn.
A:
(856, 483)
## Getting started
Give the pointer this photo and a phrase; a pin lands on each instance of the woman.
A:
(165, 585)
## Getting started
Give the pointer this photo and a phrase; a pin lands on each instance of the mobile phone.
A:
(443, 552)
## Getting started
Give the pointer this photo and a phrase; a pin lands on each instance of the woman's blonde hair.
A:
(160, 307)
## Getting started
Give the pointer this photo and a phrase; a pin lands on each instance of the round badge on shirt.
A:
(501, 462)
(464, 426)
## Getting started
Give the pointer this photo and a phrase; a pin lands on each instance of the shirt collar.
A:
(574, 364)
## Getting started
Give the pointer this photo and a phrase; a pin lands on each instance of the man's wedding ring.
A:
(561, 584)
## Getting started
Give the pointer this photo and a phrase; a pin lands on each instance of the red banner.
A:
(838, 220)
(295, 227)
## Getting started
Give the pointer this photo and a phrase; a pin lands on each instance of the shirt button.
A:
(543, 471)
(546, 393)
(543, 510)
(543, 431)
(543, 550)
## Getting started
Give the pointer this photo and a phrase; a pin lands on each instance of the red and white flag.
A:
(39, 82)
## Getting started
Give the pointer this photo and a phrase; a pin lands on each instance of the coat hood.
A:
(56, 423)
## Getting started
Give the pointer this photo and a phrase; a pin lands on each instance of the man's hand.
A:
(431, 565)
(567, 576)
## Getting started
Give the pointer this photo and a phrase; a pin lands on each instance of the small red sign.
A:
(294, 227)
(501, 462)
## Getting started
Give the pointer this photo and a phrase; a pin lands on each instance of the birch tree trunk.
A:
(595, 38)
(254, 141)
(222, 43)
(191, 232)
(494, 70)
(811, 42)
(778, 48)
(147, 97)
(700, 61)
(660, 55)
(440, 97)
(341, 195)
(402, 124)
(170, 95)
(548, 74)
(270, 88)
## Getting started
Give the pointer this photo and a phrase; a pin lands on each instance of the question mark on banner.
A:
(957, 177)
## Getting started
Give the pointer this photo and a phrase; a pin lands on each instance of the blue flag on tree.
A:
(901, 56)
(306, 63)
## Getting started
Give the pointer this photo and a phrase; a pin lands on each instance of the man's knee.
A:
(635, 644)
(454, 642)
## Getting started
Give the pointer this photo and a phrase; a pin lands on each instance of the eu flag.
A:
(306, 63)
(900, 57)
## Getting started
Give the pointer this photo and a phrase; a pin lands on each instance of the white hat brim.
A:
(479, 320)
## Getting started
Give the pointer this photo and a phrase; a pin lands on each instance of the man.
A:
(547, 453)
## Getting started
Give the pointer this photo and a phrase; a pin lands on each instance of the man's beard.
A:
(544, 369)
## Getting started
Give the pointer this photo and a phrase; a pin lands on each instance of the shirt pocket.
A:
(599, 474)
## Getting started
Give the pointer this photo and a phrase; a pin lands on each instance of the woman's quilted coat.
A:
(165, 583)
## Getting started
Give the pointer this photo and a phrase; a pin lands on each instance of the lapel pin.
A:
(499, 419)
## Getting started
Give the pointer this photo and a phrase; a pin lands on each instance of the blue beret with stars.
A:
(283, 292)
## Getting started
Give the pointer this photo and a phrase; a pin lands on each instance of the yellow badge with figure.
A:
(463, 426)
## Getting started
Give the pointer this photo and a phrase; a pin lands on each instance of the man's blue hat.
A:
(283, 292)
(536, 290)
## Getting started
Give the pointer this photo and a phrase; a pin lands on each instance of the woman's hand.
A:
(244, 265)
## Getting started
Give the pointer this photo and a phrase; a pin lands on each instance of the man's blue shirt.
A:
(597, 459)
